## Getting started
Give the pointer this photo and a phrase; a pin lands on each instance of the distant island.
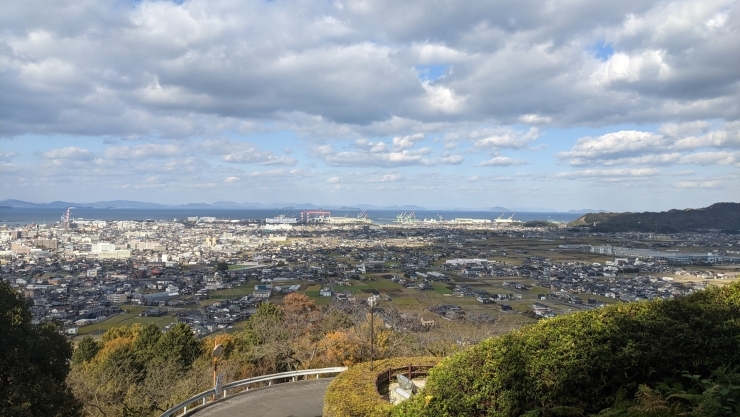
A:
(719, 216)
(588, 211)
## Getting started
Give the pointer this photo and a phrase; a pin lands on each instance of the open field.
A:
(237, 292)
(241, 267)
(442, 288)
(406, 301)
(124, 319)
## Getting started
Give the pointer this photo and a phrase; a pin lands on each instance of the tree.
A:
(136, 371)
(335, 320)
(33, 365)
(179, 346)
(146, 341)
(86, 350)
(296, 304)
(222, 267)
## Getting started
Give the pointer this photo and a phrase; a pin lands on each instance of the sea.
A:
(23, 216)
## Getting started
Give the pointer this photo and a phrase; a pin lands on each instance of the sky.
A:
(627, 105)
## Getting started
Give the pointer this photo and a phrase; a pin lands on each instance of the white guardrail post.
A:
(202, 398)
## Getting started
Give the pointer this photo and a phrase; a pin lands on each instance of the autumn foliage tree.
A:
(132, 370)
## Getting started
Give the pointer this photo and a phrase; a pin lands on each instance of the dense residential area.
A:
(213, 274)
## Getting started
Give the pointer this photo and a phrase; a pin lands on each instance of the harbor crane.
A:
(67, 215)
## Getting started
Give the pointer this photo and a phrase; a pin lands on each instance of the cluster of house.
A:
(79, 273)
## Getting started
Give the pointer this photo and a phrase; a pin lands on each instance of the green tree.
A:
(265, 325)
(86, 350)
(33, 365)
(222, 267)
(178, 345)
(146, 341)
(336, 320)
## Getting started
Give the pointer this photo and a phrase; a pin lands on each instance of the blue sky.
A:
(626, 106)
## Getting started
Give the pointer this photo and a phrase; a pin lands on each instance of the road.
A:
(293, 399)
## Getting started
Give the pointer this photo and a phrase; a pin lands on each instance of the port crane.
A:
(67, 215)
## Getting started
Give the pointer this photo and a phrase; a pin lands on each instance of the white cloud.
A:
(71, 153)
(682, 130)
(392, 177)
(334, 180)
(445, 160)
(259, 158)
(657, 159)
(503, 161)
(7, 156)
(712, 158)
(534, 119)
(726, 137)
(386, 159)
(275, 173)
(377, 154)
(145, 151)
(647, 148)
(649, 65)
(619, 144)
(230, 180)
(406, 142)
(610, 173)
(698, 184)
(509, 139)
(717, 21)
(228, 150)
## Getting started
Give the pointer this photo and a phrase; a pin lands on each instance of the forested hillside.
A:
(721, 216)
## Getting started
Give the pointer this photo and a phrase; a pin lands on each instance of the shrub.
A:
(580, 363)
(353, 393)
(718, 395)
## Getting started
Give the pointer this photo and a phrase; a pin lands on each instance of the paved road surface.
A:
(293, 399)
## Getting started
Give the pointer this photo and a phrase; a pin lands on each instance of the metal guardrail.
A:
(410, 371)
(202, 398)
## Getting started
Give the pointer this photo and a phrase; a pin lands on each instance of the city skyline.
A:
(631, 106)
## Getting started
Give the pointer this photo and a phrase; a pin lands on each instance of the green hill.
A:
(719, 216)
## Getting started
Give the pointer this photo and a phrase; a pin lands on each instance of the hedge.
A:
(353, 392)
(581, 363)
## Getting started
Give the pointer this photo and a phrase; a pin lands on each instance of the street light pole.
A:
(372, 301)
(372, 336)
(217, 351)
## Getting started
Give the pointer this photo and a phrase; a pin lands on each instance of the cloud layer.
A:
(158, 67)
(413, 99)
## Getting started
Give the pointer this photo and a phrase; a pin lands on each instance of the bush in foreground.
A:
(582, 363)
(353, 392)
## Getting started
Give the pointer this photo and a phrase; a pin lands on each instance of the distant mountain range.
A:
(227, 205)
(127, 204)
(719, 216)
